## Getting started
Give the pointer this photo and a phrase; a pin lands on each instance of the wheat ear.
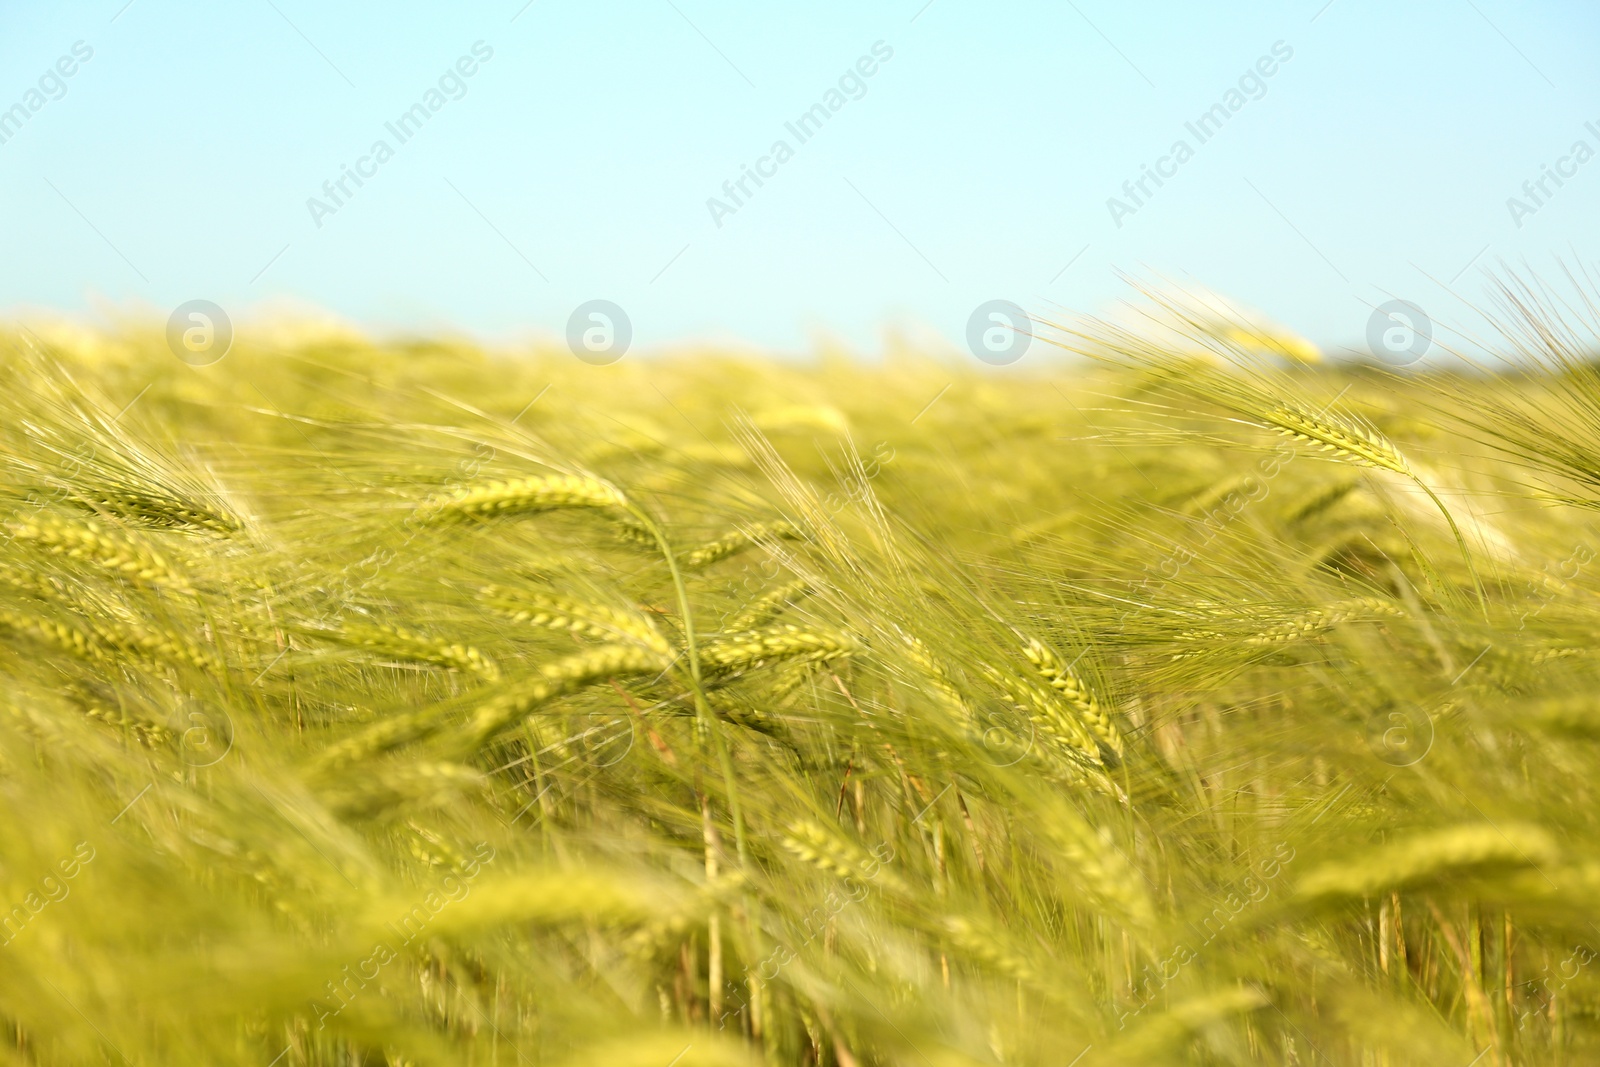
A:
(521, 496)
(498, 714)
(768, 605)
(1431, 856)
(101, 643)
(89, 543)
(1064, 680)
(1099, 865)
(412, 647)
(758, 648)
(1342, 437)
(156, 645)
(934, 673)
(555, 679)
(739, 540)
(549, 611)
(1053, 721)
(1319, 621)
(1367, 447)
(57, 635)
(982, 942)
(1074, 747)
(827, 851)
(158, 509)
(148, 733)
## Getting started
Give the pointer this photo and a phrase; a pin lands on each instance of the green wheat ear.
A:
(1342, 437)
(1064, 680)
(739, 540)
(521, 496)
(409, 646)
(768, 605)
(740, 652)
(1432, 857)
(1363, 445)
(91, 543)
(551, 611)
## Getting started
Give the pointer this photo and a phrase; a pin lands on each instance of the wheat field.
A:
(405, 703)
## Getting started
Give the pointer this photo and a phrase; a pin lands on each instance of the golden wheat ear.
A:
(63, 442)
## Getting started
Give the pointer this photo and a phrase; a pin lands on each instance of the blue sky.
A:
(974, 163)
